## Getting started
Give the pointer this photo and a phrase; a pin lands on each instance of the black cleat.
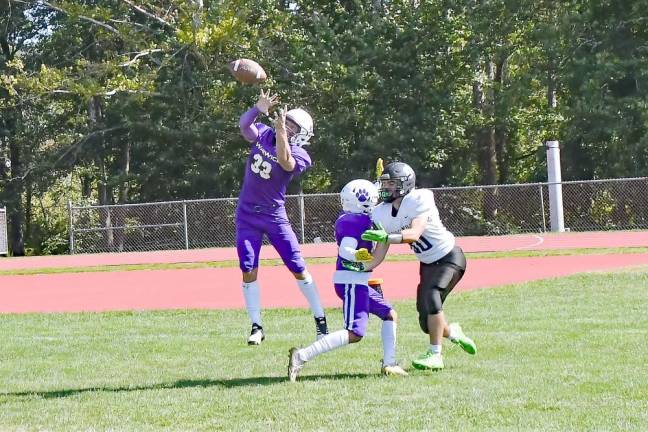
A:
(321, 327)
(256, 335)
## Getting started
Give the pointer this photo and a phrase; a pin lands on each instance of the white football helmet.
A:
(359, 196)
(305, 123)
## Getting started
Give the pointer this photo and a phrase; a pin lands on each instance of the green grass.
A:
(560, 354)
(326, 260)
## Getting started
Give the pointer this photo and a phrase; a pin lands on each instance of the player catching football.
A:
(351, 279)
(276, 157)
(409, 215)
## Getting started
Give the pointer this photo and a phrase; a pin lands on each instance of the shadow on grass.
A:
(226, 383)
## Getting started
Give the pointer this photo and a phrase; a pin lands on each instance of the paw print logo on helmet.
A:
(362, 195)
(359, 196)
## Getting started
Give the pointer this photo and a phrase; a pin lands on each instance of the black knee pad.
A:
(437, 281)
(428, 302)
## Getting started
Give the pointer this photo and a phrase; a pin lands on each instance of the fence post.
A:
(186, 229)
(544, 221)
(301, 213)
(71, 227)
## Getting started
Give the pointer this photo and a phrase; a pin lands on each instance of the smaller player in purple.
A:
(353, 268)
(276, 157)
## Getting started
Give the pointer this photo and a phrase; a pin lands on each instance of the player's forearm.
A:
(246, 124)
(348, 253)
(405, 236)
(409, 235)
(348, 249)
(379, 254)
(284, 157)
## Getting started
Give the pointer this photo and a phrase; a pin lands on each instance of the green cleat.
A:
(429, 360)
(461, 339)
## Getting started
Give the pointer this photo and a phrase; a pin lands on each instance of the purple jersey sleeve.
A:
(266, 134)
(246, 123)
(302, 159)
(352, 225)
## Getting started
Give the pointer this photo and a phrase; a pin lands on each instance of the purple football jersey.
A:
(352, 225)
(265, 181)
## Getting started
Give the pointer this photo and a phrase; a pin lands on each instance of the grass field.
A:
(562, 354)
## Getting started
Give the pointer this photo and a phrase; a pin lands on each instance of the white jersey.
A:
(435, 242)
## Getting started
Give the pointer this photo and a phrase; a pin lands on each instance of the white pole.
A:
(555, 187)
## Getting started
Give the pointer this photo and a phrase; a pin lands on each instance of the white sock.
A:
(252, 296)
(309, 289)
(452, 335)
(435, 349)
(388, 335)
(326, 344)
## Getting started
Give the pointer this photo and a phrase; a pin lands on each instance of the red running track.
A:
(219, 288)
(600, 239)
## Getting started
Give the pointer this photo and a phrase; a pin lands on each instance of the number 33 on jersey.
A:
(260, 166)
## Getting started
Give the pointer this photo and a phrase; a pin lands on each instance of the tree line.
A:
(119, 101)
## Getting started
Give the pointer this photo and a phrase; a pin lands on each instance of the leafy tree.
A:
(120, 101)
(605, 131)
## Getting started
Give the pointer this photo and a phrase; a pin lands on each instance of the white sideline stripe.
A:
(539, 241)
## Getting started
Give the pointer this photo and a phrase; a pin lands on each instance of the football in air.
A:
(247, 71)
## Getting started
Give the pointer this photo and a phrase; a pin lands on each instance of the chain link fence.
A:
(594, 205)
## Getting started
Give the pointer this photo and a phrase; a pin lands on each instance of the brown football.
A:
(247, 71)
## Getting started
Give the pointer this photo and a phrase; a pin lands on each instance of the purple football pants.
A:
(252, 225)
(359, 302)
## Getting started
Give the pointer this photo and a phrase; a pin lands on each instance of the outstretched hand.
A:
(378, 234)
(279, 120)
(266, 101)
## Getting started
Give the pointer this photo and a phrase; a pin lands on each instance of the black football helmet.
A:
(405, 179)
